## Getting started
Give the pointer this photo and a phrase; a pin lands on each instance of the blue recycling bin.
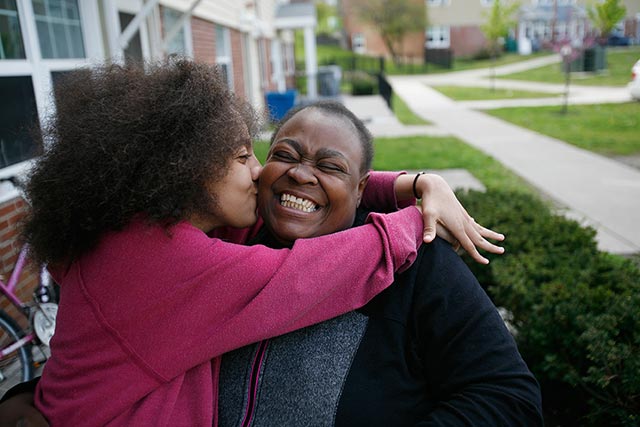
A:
(280, 102)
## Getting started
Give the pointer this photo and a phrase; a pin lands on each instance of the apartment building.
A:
(41, 40)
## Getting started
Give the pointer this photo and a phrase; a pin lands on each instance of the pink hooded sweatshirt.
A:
(145, 316)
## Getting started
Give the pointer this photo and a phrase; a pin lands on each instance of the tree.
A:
(499, 20)
(605, 16)
(394, 19)
(327, 16)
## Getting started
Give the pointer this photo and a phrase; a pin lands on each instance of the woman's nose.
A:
(302, 174)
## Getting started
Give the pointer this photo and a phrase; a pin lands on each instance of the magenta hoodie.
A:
(145, 316)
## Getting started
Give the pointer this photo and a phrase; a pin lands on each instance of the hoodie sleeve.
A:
(208, 296)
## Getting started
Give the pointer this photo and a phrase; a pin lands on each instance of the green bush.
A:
(363, 84)
(576, 309)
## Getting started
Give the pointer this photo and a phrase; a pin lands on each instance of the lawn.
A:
(403, 113)
(609, 129)
(419, 153)
(462, 93)
(618, 73)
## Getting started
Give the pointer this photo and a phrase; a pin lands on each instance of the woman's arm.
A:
(442, 212)
(470, 361)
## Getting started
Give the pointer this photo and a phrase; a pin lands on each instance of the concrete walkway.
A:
(594, 189)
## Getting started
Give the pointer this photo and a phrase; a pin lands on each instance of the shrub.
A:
(576, 309)
(363, 84)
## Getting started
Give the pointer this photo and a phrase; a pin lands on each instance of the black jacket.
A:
(431, 350)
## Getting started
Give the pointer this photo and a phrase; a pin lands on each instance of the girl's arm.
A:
(441, 211)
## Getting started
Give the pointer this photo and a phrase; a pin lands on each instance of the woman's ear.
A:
(361, 186)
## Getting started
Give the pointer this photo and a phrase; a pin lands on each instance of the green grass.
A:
(609, 129)
(423, 152)
(404, 114)
(618, 73)
(461, 93)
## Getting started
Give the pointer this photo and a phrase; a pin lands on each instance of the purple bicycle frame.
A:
(8, 291)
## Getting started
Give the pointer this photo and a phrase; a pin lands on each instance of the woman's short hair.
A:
(130, 140)
(337, 109)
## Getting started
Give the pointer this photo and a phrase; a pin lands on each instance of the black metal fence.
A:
(361, 75)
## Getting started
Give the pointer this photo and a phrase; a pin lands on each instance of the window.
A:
(59, 29)
(18, 113)
(11, 46)
(223, 53)
(177, 44)
(358, 43)
(133, 52)
(438, 37)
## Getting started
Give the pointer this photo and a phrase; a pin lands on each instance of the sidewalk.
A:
(594, 189)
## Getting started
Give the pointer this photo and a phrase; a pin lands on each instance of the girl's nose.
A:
(255, 168)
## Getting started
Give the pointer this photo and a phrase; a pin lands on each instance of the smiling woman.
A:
(307, 185)
(431, 351)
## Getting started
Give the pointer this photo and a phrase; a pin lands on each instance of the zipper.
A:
(253, 382)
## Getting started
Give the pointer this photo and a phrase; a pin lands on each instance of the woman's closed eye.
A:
(284, 156)
(331, 167)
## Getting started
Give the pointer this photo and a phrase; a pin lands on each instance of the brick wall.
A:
(467, 40)
(204, 40)
(11, 212)
(237, 57)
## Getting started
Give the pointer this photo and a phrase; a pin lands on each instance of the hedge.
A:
(576, 309)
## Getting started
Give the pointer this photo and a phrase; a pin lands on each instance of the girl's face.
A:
(235, 194)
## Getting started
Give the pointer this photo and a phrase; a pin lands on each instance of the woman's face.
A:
(311, 182)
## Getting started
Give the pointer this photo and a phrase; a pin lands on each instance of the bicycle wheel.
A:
(19, 359)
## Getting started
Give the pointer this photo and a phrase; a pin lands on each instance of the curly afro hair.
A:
(129, 141)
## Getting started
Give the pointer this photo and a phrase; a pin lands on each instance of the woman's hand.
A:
(445, 216)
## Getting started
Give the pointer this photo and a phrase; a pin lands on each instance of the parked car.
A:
(634, 86)
(618, 41)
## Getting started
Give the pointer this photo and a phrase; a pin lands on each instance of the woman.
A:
(140, 165)
(431, 351)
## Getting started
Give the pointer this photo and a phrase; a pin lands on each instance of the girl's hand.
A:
(443, 215)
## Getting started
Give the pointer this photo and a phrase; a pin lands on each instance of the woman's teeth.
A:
(304, 205)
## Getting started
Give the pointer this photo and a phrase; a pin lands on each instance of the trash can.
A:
(329, 77)
(279, 103)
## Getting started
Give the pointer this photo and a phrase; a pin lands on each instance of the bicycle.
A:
(16, 343)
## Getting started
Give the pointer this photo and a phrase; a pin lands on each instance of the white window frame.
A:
(438, 32)
(39, 69)
(226, 58)
(186, 32)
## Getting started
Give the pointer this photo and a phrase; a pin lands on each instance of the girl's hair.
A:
(338, 110)
(130, 140)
